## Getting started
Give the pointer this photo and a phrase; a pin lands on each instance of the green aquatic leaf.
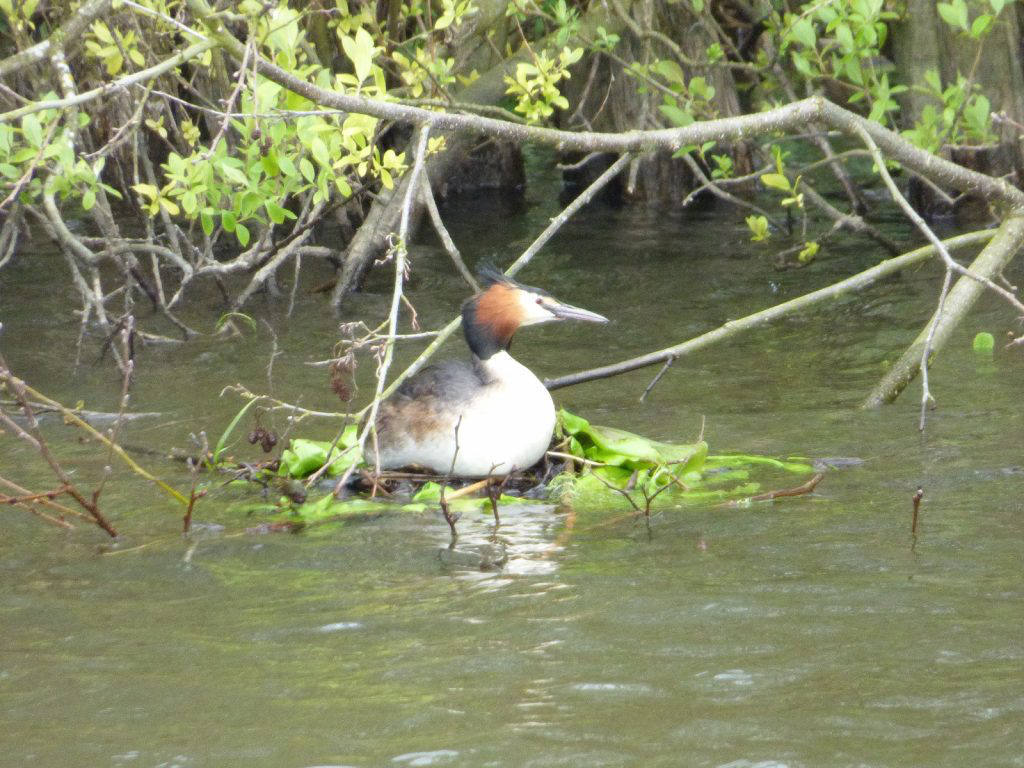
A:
(304, 457)
(984, 343)
(328, 508)
(425, 500)
(218, 450)
(739, 460)
(621, 448)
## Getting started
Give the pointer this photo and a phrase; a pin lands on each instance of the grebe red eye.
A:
(540, 300)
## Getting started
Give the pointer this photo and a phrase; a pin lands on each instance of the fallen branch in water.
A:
(1008, 240)
(96, 418)
(25, 395)
(993, 258)
(733, 327)
(57, 507)
(21, 391)
(28, 499)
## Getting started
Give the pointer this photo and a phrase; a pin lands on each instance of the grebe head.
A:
(491, 317)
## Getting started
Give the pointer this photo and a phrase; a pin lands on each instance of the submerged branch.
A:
(733, 327)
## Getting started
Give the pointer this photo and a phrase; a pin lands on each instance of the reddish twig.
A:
(918, 495)
(17, 388)
(799, 490)
(27, 500)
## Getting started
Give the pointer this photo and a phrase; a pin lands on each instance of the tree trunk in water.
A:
(612, 101)
(923, 42)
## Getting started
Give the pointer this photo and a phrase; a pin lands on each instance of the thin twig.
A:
(427, 195)
(799, 490)
(656, 379)
(396, 302)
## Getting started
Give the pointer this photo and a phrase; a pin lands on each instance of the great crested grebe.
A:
(490, 414)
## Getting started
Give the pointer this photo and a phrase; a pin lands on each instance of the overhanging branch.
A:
(788, 118)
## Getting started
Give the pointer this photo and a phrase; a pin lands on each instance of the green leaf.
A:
(32, 130)
(88, 199)
(621, 448)
(169, 205)
(795, 466)
(360, 50)
(954, 13)
(758, 226)
(242, 233)
(981, 25)
(676, 115)
(803, 66)
(269, 164)
(320, 152)
(276, 213)
(845, 38)
(809, 252)
(307, 169)
(671, 71)
(775, 181)
(233, 174)
(803, 32)
(218, 450)
(984, 343)
(287, 166)
(102, 33)
(304, 457)
(445, 19)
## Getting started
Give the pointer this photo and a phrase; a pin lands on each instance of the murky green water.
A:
(810, 633)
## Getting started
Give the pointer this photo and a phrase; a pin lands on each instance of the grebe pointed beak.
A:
(569, 312)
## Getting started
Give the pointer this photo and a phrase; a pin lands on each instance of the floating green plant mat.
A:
(304, 457)
(624, 462)
(612, 463)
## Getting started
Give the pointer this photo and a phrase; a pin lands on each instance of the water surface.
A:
(813, 632)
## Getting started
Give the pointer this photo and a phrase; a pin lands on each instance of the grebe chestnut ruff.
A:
(498, 414)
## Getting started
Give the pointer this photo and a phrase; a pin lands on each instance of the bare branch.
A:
(69, 30)
(855, 283)
(997, 254)
(791, 117)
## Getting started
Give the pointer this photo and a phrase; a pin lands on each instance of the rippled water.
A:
(809, 633)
